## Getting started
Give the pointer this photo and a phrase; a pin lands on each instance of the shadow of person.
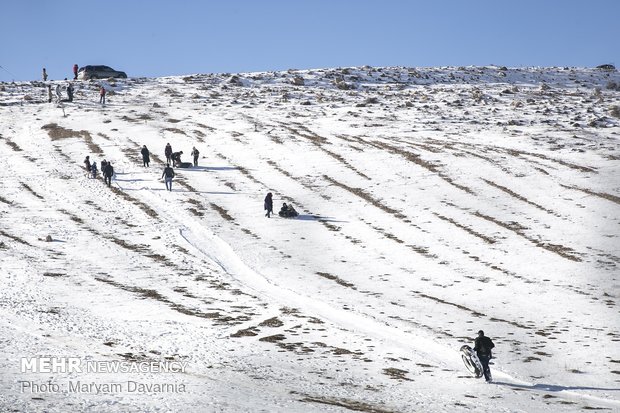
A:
(552, 387)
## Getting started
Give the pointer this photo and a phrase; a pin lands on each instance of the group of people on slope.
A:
(107, 170)
(168, 172)
(174, 158)
(287, 211)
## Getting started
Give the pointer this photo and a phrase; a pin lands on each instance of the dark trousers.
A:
(168, 159)
(102, 99)
(484, 360)
(108, 180)
(145, 162)
(195, 161)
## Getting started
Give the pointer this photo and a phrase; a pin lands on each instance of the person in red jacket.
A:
(75, 71)
(102, 95)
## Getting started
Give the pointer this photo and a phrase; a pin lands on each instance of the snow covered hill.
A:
(433, 202)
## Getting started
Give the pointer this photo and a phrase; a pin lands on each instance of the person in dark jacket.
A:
(103, 164)
(168, 174)
(108, 173)
(269, 205)
(75, 71)
(168, 153)
(195, 154)
(176, 158)
(70, 93)
(44, 75)
(87, 164)
(146, 156)
(93, 170)
(287, 211)
(483, 346)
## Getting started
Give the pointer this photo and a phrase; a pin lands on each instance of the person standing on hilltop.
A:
(146, 156)
(75, 71)
(168, 153)
(44, 75)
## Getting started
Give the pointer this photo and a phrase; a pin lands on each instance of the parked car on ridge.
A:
(99, 72)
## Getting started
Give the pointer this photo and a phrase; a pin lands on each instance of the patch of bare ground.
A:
(246, 332)
(12, 144)
(519, 197)
(197, 209)
(465, 228)
(396, 374)
(146, 293)
(54, 274)
(5, 201)
(570, 165)
(459, 306)
(318, 141)
(199, 135)
(175, 130)
(56, 132)
(562, 251)
(337, 279)
(272, 322)
(29, 189)
(353, 405)
(417, 159)
(14, 238)
(281, 170)
(147, 209)
(223, 212)
(613, 198)
(368, 198)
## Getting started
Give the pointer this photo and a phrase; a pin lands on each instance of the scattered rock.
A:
(49, 238)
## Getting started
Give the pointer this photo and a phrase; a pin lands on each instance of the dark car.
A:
(99, 72)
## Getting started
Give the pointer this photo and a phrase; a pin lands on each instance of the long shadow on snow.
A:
(316, 218)
(208, 168)
(552, 387)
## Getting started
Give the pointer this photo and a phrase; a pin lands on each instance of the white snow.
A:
(433, 202)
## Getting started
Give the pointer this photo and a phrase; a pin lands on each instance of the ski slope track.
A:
(433, 202)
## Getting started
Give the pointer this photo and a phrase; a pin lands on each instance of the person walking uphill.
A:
(168, 175)
(146, 156)
(483, 346)
(108, 172)
(269, 205)
(168, 153)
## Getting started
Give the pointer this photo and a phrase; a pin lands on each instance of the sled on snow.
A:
(184, 164)
(471, 360)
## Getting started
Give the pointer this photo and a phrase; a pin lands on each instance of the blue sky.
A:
(158, 38)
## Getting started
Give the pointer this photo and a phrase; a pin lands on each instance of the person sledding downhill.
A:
(483, 346)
